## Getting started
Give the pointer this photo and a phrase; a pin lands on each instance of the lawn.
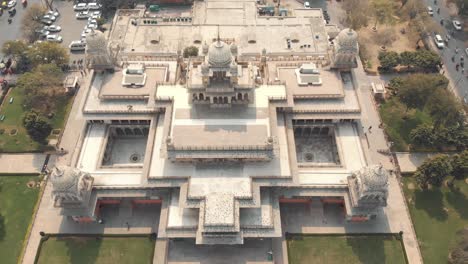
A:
(399, 122)
(21, 142)
(437, 215)
(345, 249)
(17, 203)
(107, 250)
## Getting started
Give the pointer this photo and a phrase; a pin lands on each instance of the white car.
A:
(457, 25)
(49, 17)
(12, 3)
(54, 38)
(53, 28)
(85, 32)
(82, 15)
(92, 21)
(430, 11)
(439, 41)
(94, 6)
(53, 13)
(80, 7)
(92, 26)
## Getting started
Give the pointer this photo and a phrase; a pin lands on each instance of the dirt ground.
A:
(372, 41)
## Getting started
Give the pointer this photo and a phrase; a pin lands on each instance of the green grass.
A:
(399, 122)
(16, 208)
(21, 142)
(345, 249)
(107, 250)
(437, 215)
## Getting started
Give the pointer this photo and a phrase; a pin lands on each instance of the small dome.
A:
(219, 55)
(347, 41)
(205, 69)
(205, 48)
(373, 177)
(64, 178)
(234, 49)
(96, 41)
(233, 69)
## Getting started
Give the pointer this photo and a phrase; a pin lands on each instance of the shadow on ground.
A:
(431, 201)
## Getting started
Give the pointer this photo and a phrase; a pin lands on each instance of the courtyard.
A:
(17, 203)
(345, 249)
(437, 215)
(98, 250)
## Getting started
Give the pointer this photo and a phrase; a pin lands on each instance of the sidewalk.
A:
(23, 163)
(397, 211)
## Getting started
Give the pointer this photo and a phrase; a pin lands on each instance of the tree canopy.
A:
(48, 52)
(190, 51)
(30, 21)
(433, 171)
(38, 128)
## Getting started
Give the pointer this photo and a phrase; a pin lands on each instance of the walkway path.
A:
(397, 212)
(24, 163)
(48, 218)
(410, 161)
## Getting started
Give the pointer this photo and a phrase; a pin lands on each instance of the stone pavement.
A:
(410, 161)
(22, 163)
(399, 218)
(42, 220)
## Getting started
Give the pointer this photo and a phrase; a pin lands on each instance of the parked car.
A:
(80, 7)
(53, 28)
(49, 17)
(439, 41)
(12, 3)
(94, 6)
(85, 32)
(430, 11)
(53, 13)
(82, 15)
(92, 21)
(457, 25)
(54, 38)
(42, 32)
(46, 21)
(92, 26)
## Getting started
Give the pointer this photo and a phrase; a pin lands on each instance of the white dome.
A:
(347, 41)
(96, 41)
(219, 55)
(373, 178)
(64, 178)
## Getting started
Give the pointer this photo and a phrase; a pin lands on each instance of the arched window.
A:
(137, 131)
(239, 96)
(119, 131)
(246, 96)
(128, 132)
(145, 131)
(200, 96)
(215, 100)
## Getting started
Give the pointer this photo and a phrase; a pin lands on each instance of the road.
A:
(460, 80)
(13, 31)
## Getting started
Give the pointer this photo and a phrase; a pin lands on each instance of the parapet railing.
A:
(222, 148)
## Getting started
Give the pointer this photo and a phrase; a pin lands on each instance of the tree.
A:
(388, 60)
(48, 52)
(356, 13)
(42, 88)
(459, 255)
(427, 60)
(14, 48)
(37, 127)
(383, 11)
(190, 51)
(30, 22)
(386, 37)
(460, 165)
(423, 135)
(444, 108)
(416, 89)
(407, 58)
(433, 171)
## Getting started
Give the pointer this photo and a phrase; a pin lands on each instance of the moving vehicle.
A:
(54, 38)
(439, 41)
(12, 3)
(80, 7)
(430, 11)
(77, 45)
(82, 15)
(457, 25)
(53, 28)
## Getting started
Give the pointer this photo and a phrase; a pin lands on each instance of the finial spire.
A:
(219, 39)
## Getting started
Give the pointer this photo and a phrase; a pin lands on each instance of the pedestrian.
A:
(453, 58)
(438, 10)
(457, 67)
(462, 64)
(463, 70)
(370, 128)
(82, 75)
(128, 226)
(456, 49)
